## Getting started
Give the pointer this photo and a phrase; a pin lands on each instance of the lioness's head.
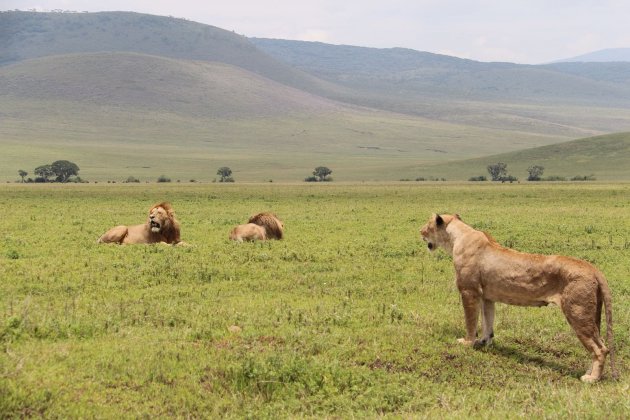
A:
(434, 232)
(160, 217)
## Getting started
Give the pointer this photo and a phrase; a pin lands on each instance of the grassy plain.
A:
(348, 316)
(111, 144)
(605, 157)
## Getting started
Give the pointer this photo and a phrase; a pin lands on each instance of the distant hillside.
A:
(601, 56)
(26, 35)
(122, 114)
(606, 157)
(142, 83)
(420, 74)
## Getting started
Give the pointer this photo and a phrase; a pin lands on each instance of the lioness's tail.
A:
(607, 298)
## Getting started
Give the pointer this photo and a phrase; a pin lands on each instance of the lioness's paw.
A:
(589, 379)
(483, 342)
(465, 342)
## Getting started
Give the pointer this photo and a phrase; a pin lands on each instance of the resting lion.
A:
(248, 232)
(487, 273)
(161, 227)
(274, 228)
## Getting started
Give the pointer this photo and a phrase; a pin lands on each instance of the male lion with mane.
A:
(161, 227)
(487, 273)
(274, 228)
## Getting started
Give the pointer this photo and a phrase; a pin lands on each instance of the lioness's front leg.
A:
(487, 321)
(471, 302)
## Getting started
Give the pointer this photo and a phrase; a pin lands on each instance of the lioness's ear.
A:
(457, 216)
(438, 220)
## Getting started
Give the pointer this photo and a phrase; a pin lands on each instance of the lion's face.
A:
(434, 232)
(159, 219)
(428, 233)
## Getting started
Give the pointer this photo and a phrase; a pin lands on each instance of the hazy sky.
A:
(521, 31)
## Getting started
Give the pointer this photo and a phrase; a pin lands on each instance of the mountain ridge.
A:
(606, 55)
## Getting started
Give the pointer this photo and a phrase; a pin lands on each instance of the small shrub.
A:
(311, 179)
(554, 178)
(583, 178)
(12, 254)
(131, 179)
(478, 178)
(163, 178)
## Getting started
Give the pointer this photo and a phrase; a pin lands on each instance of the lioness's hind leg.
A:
(582, 317)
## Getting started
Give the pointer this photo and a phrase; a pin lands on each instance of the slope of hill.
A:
(424, 74)
(601, 56)
(149, 83)
(121, 114)
(26, 35)
(605, 157)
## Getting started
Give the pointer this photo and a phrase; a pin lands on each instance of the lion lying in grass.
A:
(487, 273)
(274, 228)
(248, 232)
(261, 226)
(161, 227)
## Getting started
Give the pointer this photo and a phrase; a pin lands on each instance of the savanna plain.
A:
(348, 316)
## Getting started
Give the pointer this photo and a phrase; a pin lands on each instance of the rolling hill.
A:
(571, 98)
(129, 94)
(425, 74)
(122, 114)
(605, 157)
(27, 35)
(204, 89)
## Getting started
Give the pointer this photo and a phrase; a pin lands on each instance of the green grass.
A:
(348, 316)
(605, 157)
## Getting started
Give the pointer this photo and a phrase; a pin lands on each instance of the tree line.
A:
(58, 171)
(498, 172)
(66, 171)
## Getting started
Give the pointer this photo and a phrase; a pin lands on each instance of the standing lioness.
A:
(486, 273)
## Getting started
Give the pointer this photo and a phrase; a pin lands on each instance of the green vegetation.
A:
(601, 157)
(320, 174)
(349, 315)
(62, 170)
(225, 173)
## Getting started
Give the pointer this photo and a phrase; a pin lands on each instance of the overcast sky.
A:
(520, 31)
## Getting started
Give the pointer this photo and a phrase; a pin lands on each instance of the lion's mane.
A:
(274, 227)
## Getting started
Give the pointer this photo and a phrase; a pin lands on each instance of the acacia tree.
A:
(64, 169)
(22, 174)
(226, 174)
(322, 173)
(44, 172)
(498, 171)
(535, 172)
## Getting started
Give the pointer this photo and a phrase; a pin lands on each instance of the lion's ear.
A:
(438, 220)
(458, 217)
